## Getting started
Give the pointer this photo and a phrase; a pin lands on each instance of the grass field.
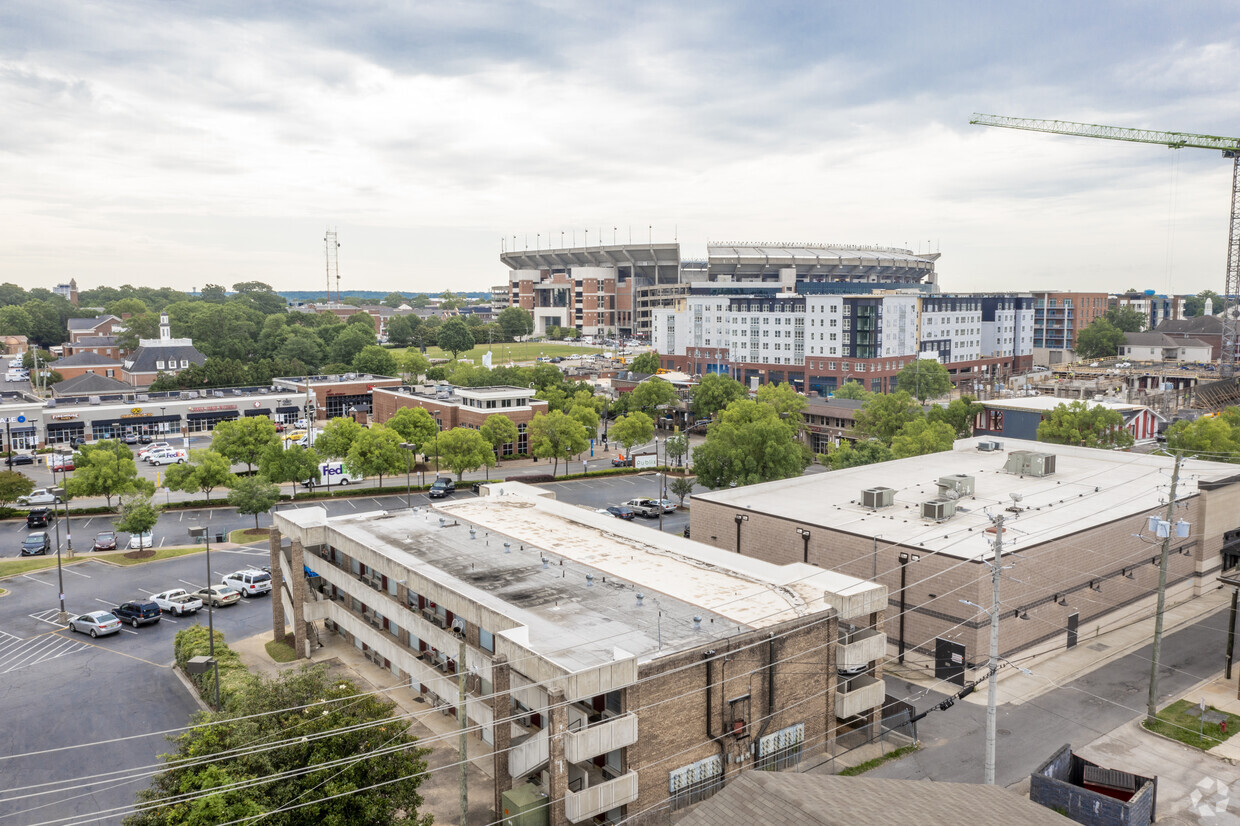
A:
(243, 536)
(1175, 722)
(518, 352)
(17, 567)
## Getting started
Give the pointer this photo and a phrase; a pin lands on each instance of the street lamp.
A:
(202, 531)
(804, 534)
(60, 576)
(409, 448)
(905, 559)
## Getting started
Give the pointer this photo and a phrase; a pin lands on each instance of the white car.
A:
(146, 451)
(138, 541)
(251, 582)
(178, 602)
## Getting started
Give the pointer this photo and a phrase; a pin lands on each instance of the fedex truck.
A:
(333, 474)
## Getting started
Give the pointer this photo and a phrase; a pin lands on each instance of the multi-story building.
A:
(612, 669)
(501, 295)
(154, 356)
(818, 341)
(327, 397)
(1058, 318)
(69, 292)
(1154, 308)
(465, 407)
(104, 325)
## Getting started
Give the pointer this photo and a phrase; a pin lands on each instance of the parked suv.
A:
(36, 544)
(138, 612)
(441, 488)
(250, 583)
(37, 518)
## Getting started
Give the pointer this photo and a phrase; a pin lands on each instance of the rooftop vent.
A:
(938, 510)
(94, 400)
(989, 446)
(875, 498)
(958, 483)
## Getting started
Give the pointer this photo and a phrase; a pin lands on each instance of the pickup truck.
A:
(644, 507)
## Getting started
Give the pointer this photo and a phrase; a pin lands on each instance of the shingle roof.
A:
(84, 360)
(777, 798)
(143, 359)
(1160, 340)
(1202, 325)
(94, 341)
(90, 384)
(89, 323)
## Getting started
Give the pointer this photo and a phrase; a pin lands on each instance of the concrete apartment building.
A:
(465, 407)
(1154, 308)
(922, 527)
(612, 669)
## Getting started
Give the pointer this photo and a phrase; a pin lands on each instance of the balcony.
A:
(529, 754)
(600, 738)
(860, 648)
(858, 696)
(594, 800)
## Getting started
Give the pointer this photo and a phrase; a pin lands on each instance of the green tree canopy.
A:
(205, 471)
(376, 451)
(515, 322)
(676, 448)
(138, 515)
(884, 414)
(14, 321)
(400, 331)
(959, 415)
(587, 414)
(345, 347)
(1210, 437)
(462, 449)
(1127, 319)
(499, 430)
(244, 439)
(454, 337)
(375, 360)
(414, 364)
(252, 495)
(681, 486)
(1101, 339)
(337, 437)
(651, 394)
(919, 437)
(294, 464)
(14, 485)
(749, 443)
(635, 428)
(646, 363)
(866, 452)
(1079, 423)
(714, 392)
(851, 389)
(1196, 305)
(924, 379)
(393, 300)
(106, 468)
(556, 435)
(414, 425)
(787, 403)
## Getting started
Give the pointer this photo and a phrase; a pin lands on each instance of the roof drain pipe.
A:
(709, 656)
(770, 684)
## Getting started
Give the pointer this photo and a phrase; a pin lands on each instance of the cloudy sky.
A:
(178, 143)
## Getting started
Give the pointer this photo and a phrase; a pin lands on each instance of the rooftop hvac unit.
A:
(960, 483)
(51, 402)
(95, 400)
(1017, 461)
(938, 509)
(987, 446)
(1041, 464)
(142, 397)
(875, 498)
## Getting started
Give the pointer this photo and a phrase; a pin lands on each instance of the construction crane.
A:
(1230, 147)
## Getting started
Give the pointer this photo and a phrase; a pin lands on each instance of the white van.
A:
(333, 474)
(167, 457)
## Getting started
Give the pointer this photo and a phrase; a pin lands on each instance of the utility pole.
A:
(461, 671)
(992, 696)
(1152, 706)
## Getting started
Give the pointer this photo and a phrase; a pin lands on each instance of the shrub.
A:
(234, 677)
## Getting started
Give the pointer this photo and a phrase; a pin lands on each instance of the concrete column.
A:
(301, 593)
(877, 619)
(277, 585)
(557, 766)
(501, 705)
(832, 643)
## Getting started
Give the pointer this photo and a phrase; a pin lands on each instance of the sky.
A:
(181, 144)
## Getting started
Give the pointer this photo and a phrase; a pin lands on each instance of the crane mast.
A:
(1230, 147)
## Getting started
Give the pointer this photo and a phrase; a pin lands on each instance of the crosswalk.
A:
(17, 653)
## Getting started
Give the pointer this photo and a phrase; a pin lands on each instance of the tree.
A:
(960, 415)
(867, 452)
(515, 322)
(1101, 339)
(462, 449)
(924, 379)
(884, 414)
(787, 403)
(293, 465)
(636, 428)
(1195, 305)
(919, 437)
(587, 415)
(414, 425)
(106, 468)
(375, 360)
(681, 486)
(376, 451)
(414, 364)
(244, 439)
(351, 761)
(393, 300)
(646, 363)
(252, 495)
(213, 294)
(399, 331)
(851, 389)
(205, 471)
(651, 394)
(337, 437)
(14, 321)
(138, 516)
(1213, 437)
(556, 435)
(714, 392)
(498, 430)
(1128, 319)
(1079, 423)
(454, 337)
(675, 448)
(345, 347)
(749, 443)
(132, 306)
(14, 485)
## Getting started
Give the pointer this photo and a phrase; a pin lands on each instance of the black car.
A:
(19, 459)
(621, 512)
(36, 544)
(138, 612)
(441, 488)
(77, 441)
(37, 518)
(144, 439)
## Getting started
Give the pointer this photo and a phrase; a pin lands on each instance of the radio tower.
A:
(333, 263)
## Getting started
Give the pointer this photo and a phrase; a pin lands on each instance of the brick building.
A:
(1059, 318)
(103, 325)
(612, 669)
(1078, 517)
(465, 407)
(87, 361)
(327, 397)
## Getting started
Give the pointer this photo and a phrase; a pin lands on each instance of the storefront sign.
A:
(136, 413)
(63, 417)
(206, 408)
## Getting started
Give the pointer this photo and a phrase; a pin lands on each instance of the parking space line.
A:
(350, 501)
(69, 570)
(188, 583)
(32, 579)
(104, 601)
(130, 631)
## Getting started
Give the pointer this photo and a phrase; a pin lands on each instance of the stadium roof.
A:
(843, 260)
(643, 258)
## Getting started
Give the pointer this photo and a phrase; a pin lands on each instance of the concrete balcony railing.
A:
(529, 754)
(860, 648)
(858, 695)
(595, 800)
(600, 738)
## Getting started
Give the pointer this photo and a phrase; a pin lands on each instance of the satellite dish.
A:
(1016, 497)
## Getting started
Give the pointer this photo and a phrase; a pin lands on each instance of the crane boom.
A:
(1230, 147)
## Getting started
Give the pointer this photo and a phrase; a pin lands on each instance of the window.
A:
(159, 365)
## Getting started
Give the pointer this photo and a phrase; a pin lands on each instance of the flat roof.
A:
(1089, 487)
(569, 621)
(1045, 404)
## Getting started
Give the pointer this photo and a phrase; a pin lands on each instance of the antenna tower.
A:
(333, 263)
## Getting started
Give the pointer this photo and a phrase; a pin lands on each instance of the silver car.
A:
(218, 595)
(96, 623)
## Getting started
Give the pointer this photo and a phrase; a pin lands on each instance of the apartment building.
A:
(466, 407)
(1058, 318)
(1153, 307)
(613, 670)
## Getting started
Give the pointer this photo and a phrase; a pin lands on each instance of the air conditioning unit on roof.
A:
(938, 510)
(875, 498)
(959, 483)
(986, 446)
